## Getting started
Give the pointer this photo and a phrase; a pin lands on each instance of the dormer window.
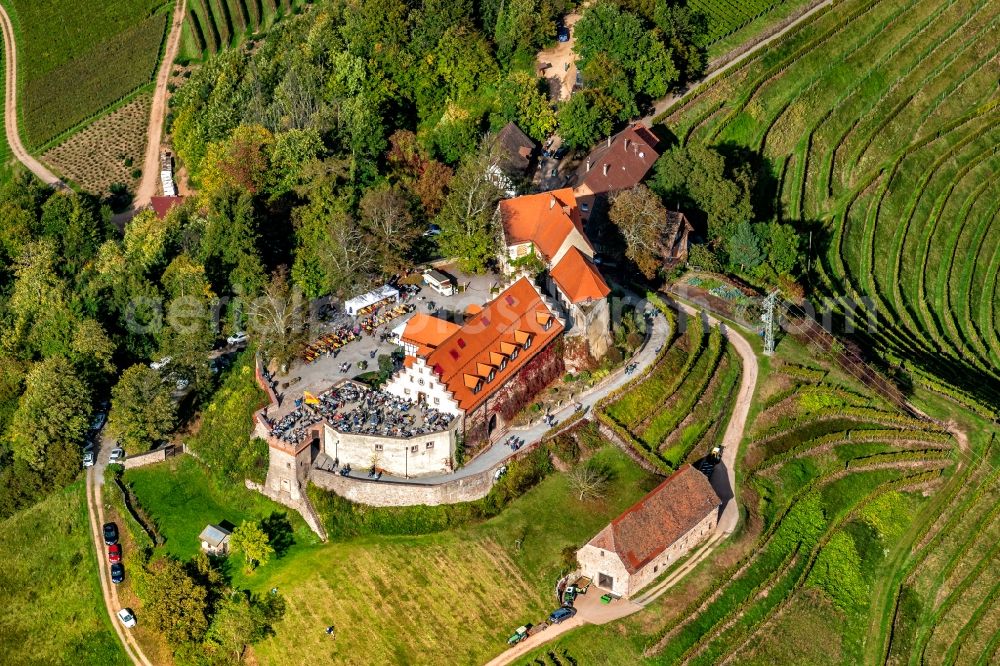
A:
(527, 342)
(477, 388)
(503, 363)
(548, 324)
(513, 354)
(491, 376)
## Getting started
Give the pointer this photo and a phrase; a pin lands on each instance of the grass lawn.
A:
(449, 597)
(182, 497)
(75, 59)
(53, 611)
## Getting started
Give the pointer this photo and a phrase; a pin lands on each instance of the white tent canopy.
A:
(384, 293)
(397, 332)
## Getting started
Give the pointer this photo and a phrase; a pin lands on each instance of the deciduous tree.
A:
(467, 226)
(276, 320)
(53, 412)
(249, 539)
(243, 619)
(386, 213)
(640, 217)
(142, 410)
(174, 603)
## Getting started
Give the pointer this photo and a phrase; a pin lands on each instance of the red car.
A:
(115, 553)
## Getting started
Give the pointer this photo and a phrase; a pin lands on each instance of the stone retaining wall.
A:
(159, 455)
(392, 493)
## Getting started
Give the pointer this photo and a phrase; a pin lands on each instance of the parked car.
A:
(117, 455)
(237, 338)
(560, 614)
(162, 363)
(117, 572)
(98, 421)
(125, 615)
(562, 34)
(88, 458)
(181, 384)
(110, 533)
(88, 447)
(115, 553)
(433, 230)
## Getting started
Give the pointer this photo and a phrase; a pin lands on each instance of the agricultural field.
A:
(49, 588)
(65, 75)
(109, 150)
(835, 485)
(679, 411)
(213, 25)
(879, 123)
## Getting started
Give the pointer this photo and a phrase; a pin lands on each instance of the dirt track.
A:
(10, 107)
(151, 165)
(95, 510)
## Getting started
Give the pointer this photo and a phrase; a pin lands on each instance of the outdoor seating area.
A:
(351, 407)
(291, 428)
(355, 408)
(370, 324)
(331, 342)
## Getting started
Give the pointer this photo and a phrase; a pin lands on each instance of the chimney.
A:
(626, 143)
(606, 169)
(552, 201)
(609, 141)
(588, 164)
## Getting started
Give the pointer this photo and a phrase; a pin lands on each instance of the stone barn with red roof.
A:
(662, 527)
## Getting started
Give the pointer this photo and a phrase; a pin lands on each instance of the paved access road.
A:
(10, 107)
(499, 451)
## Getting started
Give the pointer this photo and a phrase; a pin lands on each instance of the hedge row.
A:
(899, 456)
(812, 375)
(668, 418)
(859, 437)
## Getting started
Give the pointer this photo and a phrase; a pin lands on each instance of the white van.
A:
(439, 282)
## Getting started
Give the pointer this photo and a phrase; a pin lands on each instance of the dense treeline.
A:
(320, 155)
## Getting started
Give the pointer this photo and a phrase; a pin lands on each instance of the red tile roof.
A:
(490, 337)
(162, 205)
(620, 165)
(659, 519)
(544, 219)
(578, 278)
(427, 331)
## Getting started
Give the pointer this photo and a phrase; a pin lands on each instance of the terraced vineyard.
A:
(836, 485)
(212, 25)
(880, 122)
(946, 606)
(727, 16)
(821, 457)
(679, 411)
